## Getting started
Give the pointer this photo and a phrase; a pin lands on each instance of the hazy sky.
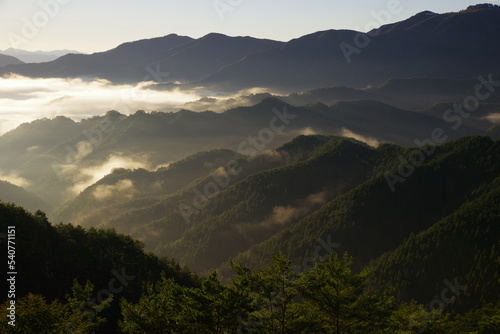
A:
(98, 25)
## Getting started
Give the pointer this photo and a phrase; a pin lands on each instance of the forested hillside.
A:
(463, 247)
(371, 219)
(51, 258)
(312, 188)
(97, 281)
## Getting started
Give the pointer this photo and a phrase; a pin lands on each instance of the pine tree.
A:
(337, 296)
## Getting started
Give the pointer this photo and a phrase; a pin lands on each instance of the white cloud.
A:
(84, 176)
(121, 189)
(493, 118)
(281, 216)
(308, 131)
(84, 148)
(33, 148)
(15, 179)
(24, 99)
(344, 132)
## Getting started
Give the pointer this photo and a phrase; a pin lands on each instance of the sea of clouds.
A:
(25, 99)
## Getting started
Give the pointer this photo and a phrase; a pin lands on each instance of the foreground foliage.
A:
(329, 298)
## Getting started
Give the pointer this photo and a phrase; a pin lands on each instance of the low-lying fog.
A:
(24, 99)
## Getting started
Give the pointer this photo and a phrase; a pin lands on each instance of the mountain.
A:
(158, 221)
(254, 209)
(370, 219)
(138, 186)
(462, 246)
(37, 56)
(405, 93)
(103, 64)
(65, 267)
(169, 58)
(10, 193)
(314, 187)
(61, 157)
(6, 60)
(389, 155)
(426, 45)
(201, 57)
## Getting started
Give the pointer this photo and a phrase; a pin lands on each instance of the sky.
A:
(99, 25)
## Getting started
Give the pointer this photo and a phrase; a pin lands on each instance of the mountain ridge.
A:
(414, 47)
(37, 56)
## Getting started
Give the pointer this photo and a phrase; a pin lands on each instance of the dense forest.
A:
(64, 268)
(367, 261)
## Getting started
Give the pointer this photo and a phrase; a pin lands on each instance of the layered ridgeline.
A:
(371, 219)
(57, 159)
(406, 191)
(171, 58)
(449, 200)
(36, 56)
(443, 213)
(313, 192)
(150, 215)
(425, 45)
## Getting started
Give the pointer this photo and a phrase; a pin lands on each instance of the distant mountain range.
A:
(13, 56)
(177, 58)
(425, 45)
(37, 56)
(429, 95)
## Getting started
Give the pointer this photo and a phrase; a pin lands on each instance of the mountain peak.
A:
(114, 114)
(214, 35)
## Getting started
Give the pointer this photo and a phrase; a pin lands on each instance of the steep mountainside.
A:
(462, 248)
(124, 185)
(314, 187)
(371, 219)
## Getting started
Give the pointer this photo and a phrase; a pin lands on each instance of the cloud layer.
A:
(83, 176)
(24, 99)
